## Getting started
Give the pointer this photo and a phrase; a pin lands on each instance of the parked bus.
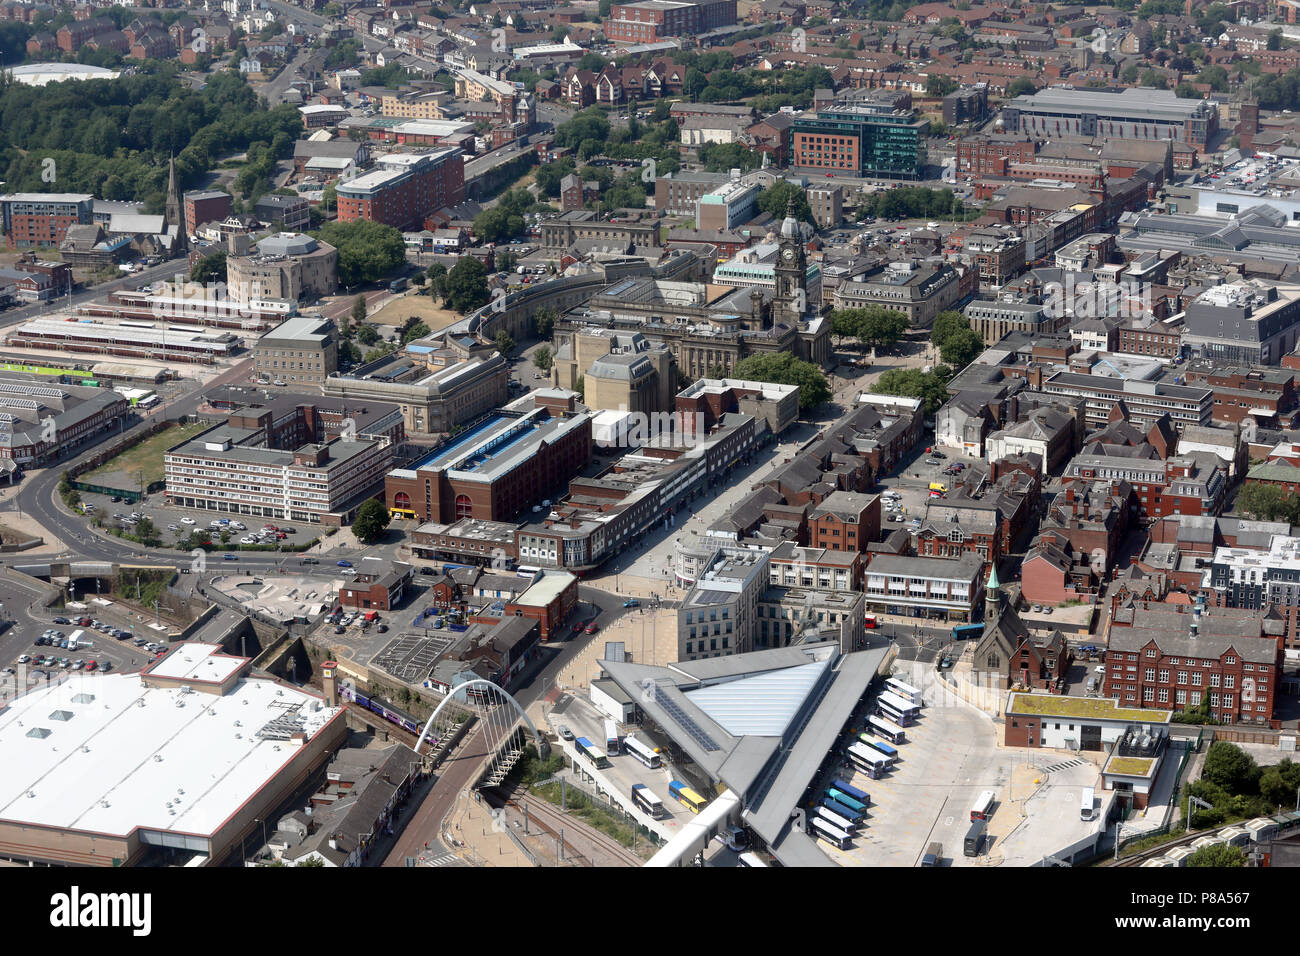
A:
(643, 753)
(963, 631)
(890, 755)
(869, 622)
(906, 691)
(974, 839)
(864, 756)
(830, 803)
(686, 796)
(835, 820)
(830, 833)
(854, 804)
(751, 859)
(983, 806)
(593, 753)
(901, 704)
(644, 799)
(888, 711)
(611, 738)
(883, 728)
(1086, 811)
(860, 795)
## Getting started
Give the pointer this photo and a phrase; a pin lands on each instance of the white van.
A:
(1086, 809)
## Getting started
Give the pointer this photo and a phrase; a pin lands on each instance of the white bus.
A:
(983, 806)
(906, 691)
(883, 728)
(1086, 811)
(612, 745)
(835, 820)
(870, 761)
(889, 712)
(829, 833)
(647, 755)
(644, 798)
(903, 705)
(751, 859)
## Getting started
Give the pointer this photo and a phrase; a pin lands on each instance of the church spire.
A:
(992, 595)
(174, 212)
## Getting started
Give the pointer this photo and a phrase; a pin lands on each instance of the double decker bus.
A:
(830, 833)
(892, 708)
(645, 799)
(686, 796)
(883, 728)
(904, 690)
(835, 819)
(871, 762)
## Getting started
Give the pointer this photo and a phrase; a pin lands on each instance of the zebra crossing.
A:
(447, 859)
(1064, 765)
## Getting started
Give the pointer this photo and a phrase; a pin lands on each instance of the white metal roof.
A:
(762, 705)
(129, 757)
(197, 662)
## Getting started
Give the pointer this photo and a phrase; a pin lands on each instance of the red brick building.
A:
(844, 521)
(210, 205)
(649, 21)
(506, 464)
(993, 155)
(379, 589)
(406, 189)
(1178, 656)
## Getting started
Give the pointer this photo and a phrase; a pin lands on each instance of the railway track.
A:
(550, 819)
(1137, 859)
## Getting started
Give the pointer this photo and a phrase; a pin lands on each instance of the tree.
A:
(881, 327)
(783, 368)
(367, 334)
(417, 330)
(359, 309)
(466, 285)
(1218, 854)
(437, 274)
(544, 320)
(937, 84)
(505, 344)
(543, 357)
(1268, 502)
(367, 250)
(1020, 86)
(961, 348)
(211, 268)
(1154, 80)
(1230, 767)
(371, 521)
(931, 387)
(1274, 39)
(775, 200)
(945, 324)
(1130, 74)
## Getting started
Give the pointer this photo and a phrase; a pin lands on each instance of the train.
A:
(386, 711)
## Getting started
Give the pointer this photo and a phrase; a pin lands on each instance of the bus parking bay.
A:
(949, 756)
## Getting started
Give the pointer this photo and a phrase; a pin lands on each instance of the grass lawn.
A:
(124, 470)
(397, 311)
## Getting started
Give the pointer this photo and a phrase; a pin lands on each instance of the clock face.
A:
(788, 254)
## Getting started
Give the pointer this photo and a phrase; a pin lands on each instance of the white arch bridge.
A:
(504, 724)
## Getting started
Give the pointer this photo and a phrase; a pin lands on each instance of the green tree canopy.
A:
(371, 521)
(775, 200)
(1230, 767)
(466, 285)
(784, 369)
(368, 250)
(543, 357)
(931, 387)
(1218, 854)
(211, 268)
(961, 348)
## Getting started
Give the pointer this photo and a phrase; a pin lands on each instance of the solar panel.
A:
(674, 710)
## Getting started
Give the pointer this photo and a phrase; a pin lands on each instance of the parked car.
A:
(564, 732)
(345, 564)
(187, 521)
(592, 628)
(61, 620)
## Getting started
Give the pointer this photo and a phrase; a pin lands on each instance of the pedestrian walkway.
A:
(480, 834)
(447, 859)
(1064, 765)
